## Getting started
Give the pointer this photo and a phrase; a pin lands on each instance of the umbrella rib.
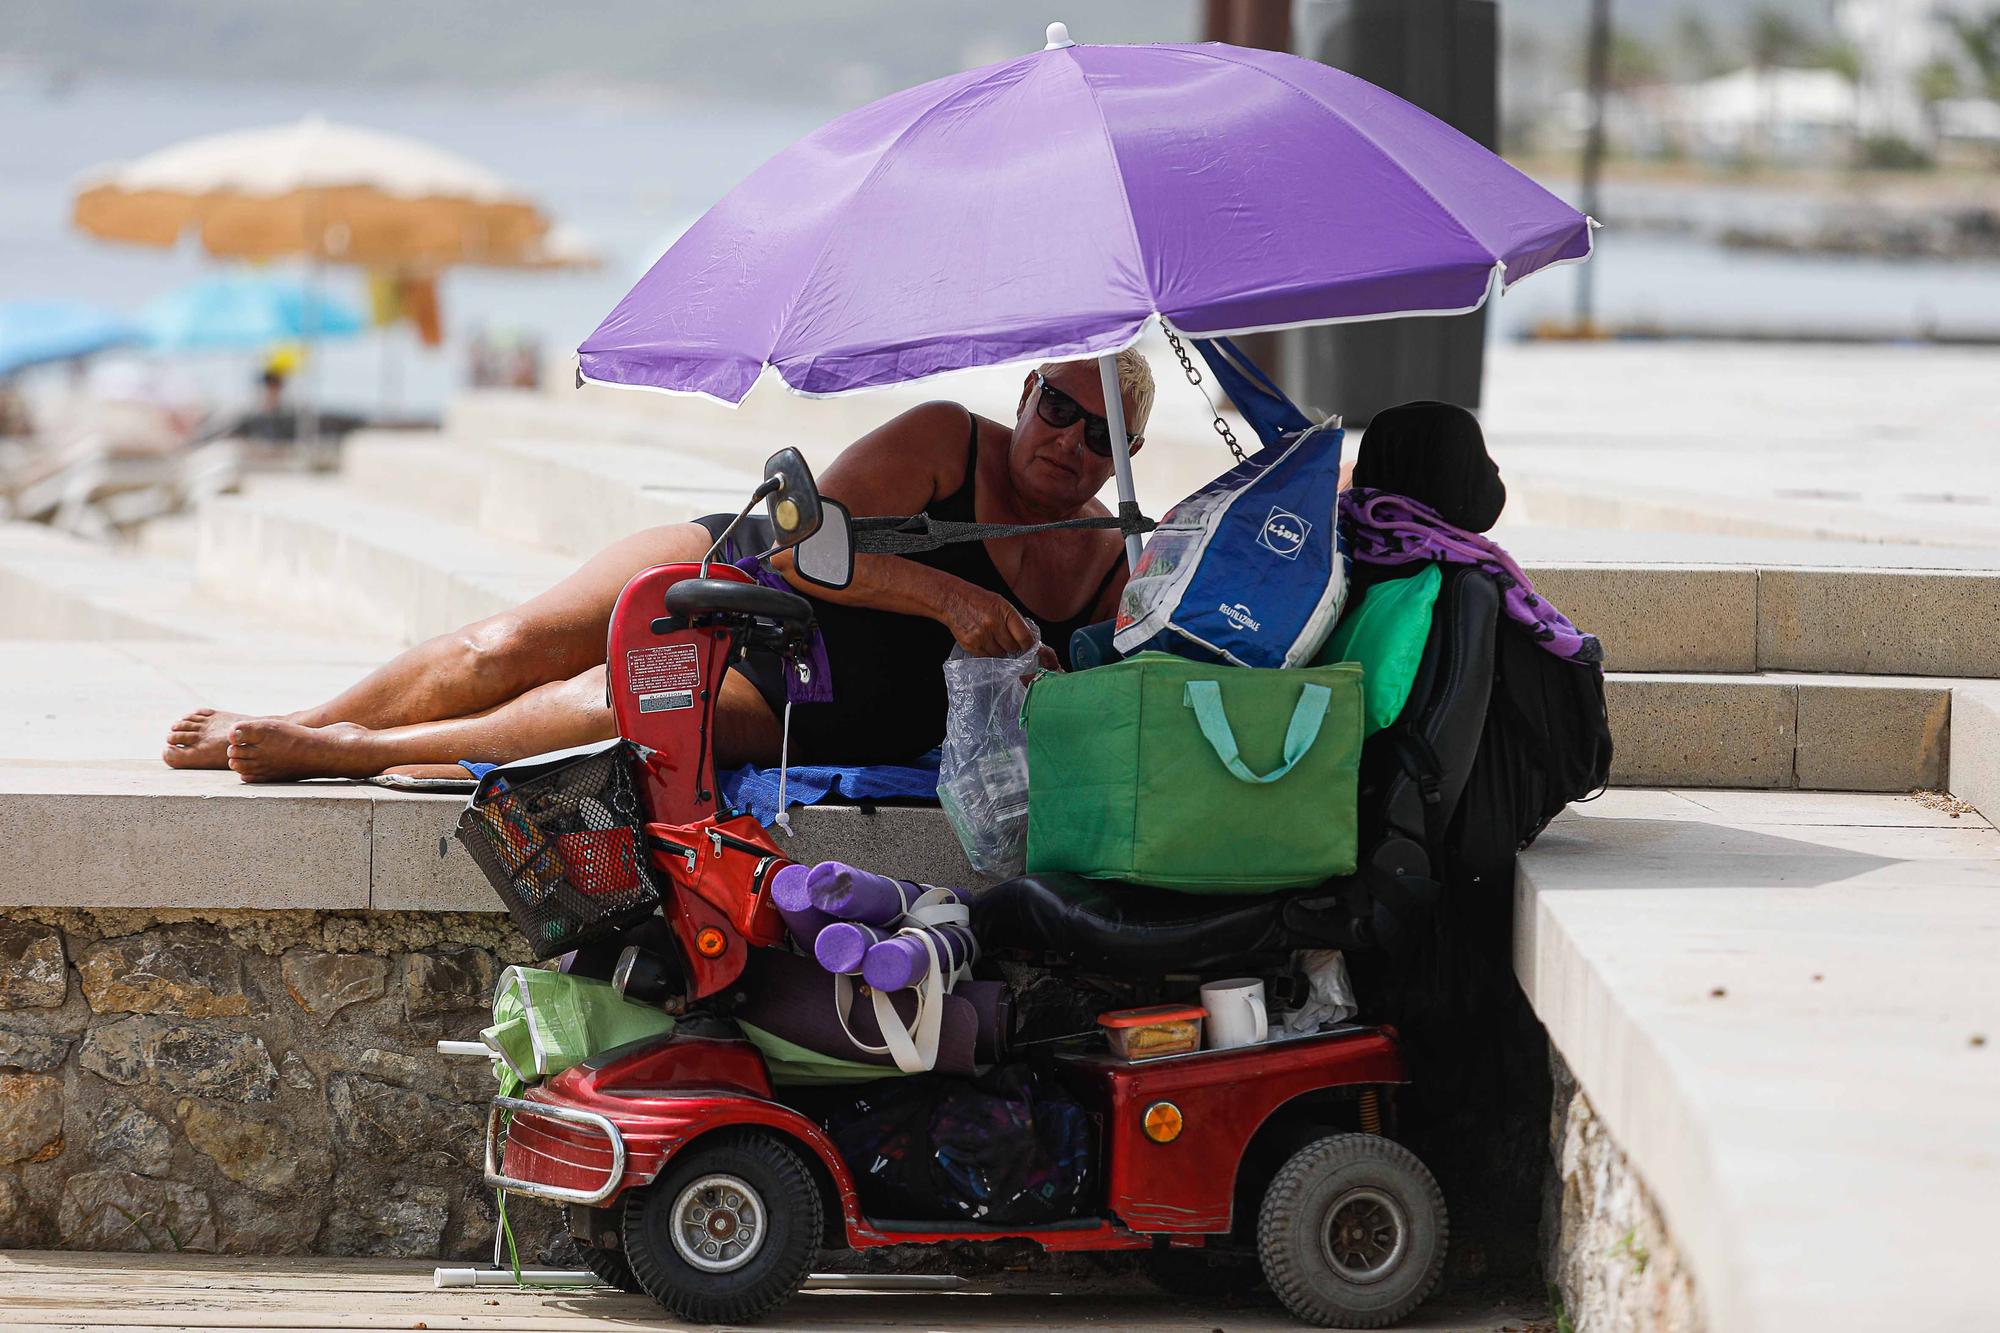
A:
(1117, 174)
(881, 161)
(1358, 133)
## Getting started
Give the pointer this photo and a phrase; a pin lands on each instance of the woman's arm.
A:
(897, 468)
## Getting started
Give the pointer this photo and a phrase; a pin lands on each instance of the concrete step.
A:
(571, 498)
(317, 549)
(55, 587)
(1780, 1008)
(1778, 730)
(1652, 614)
(690, 427)
(114, 834)
(1668, 617)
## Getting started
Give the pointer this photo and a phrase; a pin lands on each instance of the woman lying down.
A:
(531, 680)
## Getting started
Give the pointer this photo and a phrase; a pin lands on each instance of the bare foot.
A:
(269, 749)
(201, 739)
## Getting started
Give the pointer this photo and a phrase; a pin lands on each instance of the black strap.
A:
(920, 532)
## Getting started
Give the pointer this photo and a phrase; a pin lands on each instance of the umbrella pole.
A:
(1121, 451)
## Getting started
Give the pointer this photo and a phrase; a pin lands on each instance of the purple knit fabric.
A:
(819, 689)
(1388, 529)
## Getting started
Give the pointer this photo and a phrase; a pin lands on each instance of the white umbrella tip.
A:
(1058, 37)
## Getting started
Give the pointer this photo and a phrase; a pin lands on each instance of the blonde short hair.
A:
(1135, 385)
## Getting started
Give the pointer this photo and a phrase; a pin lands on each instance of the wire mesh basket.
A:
(564, 849)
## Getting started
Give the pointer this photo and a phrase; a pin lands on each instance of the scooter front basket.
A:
(559, 838)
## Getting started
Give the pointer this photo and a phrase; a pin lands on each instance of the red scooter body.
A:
(667, 1094)
(591, 1135)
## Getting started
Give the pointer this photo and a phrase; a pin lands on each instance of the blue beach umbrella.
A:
(245, 310)
(34, 332)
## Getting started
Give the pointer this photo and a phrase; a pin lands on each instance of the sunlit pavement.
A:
(46, 1290)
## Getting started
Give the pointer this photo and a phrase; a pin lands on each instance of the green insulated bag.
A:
(1209, 779)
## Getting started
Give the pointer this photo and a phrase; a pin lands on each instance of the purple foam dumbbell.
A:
(843, 945)
(852, 894)
(901, 960)
(803, 921)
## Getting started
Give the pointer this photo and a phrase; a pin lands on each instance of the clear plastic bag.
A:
(983, 779)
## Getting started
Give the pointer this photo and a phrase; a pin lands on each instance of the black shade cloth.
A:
(1436, 454)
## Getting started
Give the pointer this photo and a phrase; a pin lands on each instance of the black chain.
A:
(1194, 378)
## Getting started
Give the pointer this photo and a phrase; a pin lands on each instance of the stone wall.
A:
(246, 1082)
(1606, 1248)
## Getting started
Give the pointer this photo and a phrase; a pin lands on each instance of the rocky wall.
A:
(247, 1082)
(1606, 1249)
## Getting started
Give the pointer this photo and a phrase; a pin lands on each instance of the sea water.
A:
(631, 171)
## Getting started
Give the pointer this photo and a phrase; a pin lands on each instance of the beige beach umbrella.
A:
(313, 189)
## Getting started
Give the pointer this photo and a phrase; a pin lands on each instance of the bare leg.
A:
(549, 638)
(548, 717)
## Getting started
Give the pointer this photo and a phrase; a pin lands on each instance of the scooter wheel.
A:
(728, 1231)
(609, 1265)
(1352, 1233)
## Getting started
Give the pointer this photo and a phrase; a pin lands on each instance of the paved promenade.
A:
(106, 1292)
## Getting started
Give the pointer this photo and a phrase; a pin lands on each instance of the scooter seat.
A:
(1118, 928)
(691, 597)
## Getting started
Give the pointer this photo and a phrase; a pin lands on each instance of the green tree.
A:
(1635, 62)
(1694, 42)
(1980, 39)
(1939, 82)
(1777, 39)
(1843, 58)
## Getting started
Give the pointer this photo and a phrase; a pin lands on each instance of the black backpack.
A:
(1546, 742)
(1497, 737)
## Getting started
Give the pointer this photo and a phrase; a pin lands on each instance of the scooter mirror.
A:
(827, 557)
(794, 503)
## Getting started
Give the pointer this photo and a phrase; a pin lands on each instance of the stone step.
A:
(55, 587)
(570, 498)
(127, 834)
(1778, 1010)
(1652, 615)
(317, 549)
(1778, 730)
(690, 427)
(1906, 622)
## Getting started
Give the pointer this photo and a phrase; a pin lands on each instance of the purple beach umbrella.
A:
(1051, 206)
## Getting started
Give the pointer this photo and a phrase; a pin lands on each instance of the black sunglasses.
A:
(1059, 410)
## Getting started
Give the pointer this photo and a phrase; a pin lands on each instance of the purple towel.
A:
(1388, 529)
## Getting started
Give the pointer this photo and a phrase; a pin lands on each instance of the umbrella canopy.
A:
(33, 332)
(1052, 205)
(245, 310)
(317, 189)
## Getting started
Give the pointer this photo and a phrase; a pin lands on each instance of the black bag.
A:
(1546, 742)
(1006, 1148)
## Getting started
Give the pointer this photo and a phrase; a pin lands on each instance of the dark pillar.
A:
(1442, 55)
(1265, 25)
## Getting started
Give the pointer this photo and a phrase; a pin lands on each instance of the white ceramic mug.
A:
(1235, 1010)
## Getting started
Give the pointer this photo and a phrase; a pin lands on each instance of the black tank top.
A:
(888, 683)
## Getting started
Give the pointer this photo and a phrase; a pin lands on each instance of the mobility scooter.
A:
(686, 1172)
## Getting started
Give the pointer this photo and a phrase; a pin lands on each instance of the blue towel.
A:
(756, 789)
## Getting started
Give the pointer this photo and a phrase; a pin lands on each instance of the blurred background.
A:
(1803, 172)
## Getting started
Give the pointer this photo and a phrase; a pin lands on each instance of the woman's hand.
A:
(986, 624)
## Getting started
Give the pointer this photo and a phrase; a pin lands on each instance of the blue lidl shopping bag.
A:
(1247, 570)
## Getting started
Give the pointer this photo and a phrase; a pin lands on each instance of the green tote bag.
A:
(1207, 779)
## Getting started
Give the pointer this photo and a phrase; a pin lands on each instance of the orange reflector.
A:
(1163, 1122)
(708, 942)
